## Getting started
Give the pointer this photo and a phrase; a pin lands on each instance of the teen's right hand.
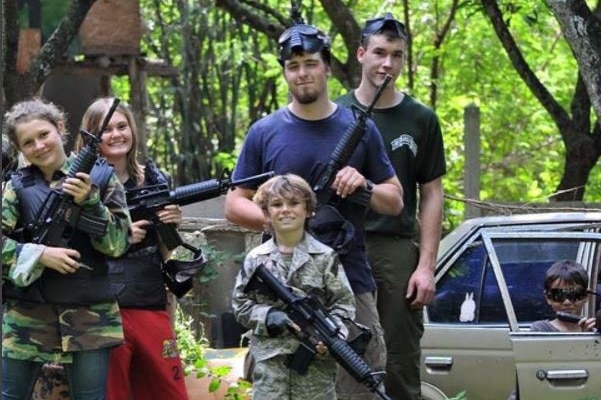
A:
(60, 259)
(138, 231)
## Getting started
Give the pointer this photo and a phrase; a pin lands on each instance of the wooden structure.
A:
(108, 46)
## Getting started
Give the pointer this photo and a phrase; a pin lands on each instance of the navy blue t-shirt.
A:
(283, 143)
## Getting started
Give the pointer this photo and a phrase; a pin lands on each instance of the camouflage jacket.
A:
(314, 269)
(74, 328)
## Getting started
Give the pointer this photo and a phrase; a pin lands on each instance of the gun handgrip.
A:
(299, 361)
(169, 235)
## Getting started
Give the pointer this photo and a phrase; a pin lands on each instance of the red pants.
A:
(147, 366)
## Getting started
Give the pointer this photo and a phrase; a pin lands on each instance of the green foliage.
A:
(192, 351)
(459, 396)
(229, 77)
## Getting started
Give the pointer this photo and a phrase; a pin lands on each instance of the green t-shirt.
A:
(413, 141)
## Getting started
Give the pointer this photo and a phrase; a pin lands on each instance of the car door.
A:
(566, 365)
(492, 285)
(557, 366)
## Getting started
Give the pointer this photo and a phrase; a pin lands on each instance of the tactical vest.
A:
(136, 277)
(83, 287)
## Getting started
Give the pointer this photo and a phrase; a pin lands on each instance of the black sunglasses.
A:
(560, 295)
(375, 25)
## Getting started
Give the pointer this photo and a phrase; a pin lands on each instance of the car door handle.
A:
(567, 374)
(439, 363)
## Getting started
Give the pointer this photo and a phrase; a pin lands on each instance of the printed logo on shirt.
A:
(170, 348)
(404, 140)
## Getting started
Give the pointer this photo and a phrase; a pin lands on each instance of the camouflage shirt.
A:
(47, 332)
(314, 270)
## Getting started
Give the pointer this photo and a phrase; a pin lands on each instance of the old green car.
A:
(489, 289)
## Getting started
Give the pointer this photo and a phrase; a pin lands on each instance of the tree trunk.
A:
(582, 30)
(21, 86)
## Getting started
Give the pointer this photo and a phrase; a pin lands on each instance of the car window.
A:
(468, 293)
(461, 284)
(524, 264)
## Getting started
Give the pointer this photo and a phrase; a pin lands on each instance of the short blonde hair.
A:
(288, 186)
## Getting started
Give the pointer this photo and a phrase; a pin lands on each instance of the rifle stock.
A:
(59, 216)
(317, 325)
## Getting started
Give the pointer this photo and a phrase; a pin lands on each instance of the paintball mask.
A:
(178, 275)
(302, 38)
(376, 25)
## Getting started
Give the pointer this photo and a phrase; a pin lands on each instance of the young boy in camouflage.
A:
(309, 267)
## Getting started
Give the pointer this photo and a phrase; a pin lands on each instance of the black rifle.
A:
(59, 216)
(328, 225)
(144, 202)
(317, 325)
(343, 152)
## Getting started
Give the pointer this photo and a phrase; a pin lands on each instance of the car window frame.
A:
(489, 235)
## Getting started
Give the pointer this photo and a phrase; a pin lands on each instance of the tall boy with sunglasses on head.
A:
(300, 138)
(404, 272)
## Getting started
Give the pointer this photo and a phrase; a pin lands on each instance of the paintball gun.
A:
(144, 202)
(344, 151)
(59, 216)
(316, 325)
(328, 225)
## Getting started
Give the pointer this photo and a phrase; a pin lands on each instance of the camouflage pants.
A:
(347, 388)
(272, 380)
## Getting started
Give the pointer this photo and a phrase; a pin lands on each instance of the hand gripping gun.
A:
(317, 325)
(144, 202)
(343, 152)
(328, 225)
(59, 217)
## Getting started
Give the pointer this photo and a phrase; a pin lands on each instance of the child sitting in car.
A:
(566, 291)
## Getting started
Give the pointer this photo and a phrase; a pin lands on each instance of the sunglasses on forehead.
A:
(560, 295)
(375, 25)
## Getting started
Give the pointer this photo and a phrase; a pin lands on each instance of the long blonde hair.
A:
(91, 121)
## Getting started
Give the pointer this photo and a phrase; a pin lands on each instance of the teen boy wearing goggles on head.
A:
(403, 271)
(300, 138)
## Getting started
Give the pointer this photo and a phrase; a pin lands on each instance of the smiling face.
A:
(566, 296)
(41, 143)
(380, 56)
(287, 214)
(306, 75)
(117, 139)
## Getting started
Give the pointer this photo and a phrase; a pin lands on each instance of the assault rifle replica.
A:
(328, 225)
(59, 216)
(344, 151)
(316, 325)
(144, 202)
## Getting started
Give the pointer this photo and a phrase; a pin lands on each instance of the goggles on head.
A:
(376, 25)
(560, 295)
(301, 38)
